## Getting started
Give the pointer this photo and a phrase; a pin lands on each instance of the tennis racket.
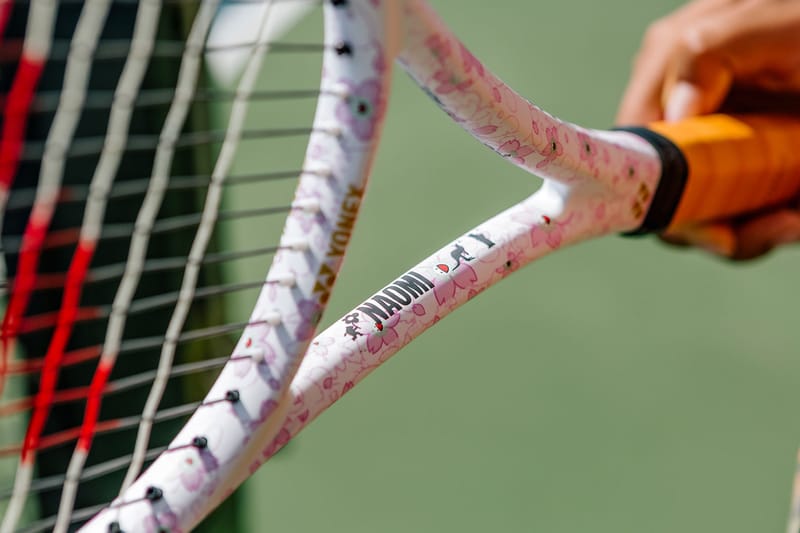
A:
(596, 182)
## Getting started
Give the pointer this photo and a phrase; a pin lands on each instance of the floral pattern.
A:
(362, 109)
(337, 361)
(515, 150)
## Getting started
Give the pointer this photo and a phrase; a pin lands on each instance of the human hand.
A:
(697, 60)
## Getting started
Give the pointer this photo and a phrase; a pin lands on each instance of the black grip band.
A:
(674, 173)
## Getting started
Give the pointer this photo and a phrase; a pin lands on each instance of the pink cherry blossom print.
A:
(418, 309)
(320, 346)
(630, 167)
(515, 150)
(485, 130)
(550, 232)
(600, 211)
(445, 288)
(385, 334)
(310, 312)
(496, 95)
(266, 409)
(277, 443)
(379, 63)
(362, 108)
(554, 148)
(438, 46)
(192, 474)
(447, 82)
(162, 521)
(511, 263)
(470, 62)
(587, 148)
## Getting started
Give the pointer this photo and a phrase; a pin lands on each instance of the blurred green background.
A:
(618, 386)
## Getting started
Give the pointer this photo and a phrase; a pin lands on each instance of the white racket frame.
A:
(596, 183)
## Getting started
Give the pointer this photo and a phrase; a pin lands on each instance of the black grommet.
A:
(343, 49)
(232, 396)
(200, 443)
(153, 493)
(114, 527)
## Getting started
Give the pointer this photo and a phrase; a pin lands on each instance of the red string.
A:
(16, 110)
(55, 352)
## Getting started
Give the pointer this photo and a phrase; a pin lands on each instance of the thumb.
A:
(697, 85)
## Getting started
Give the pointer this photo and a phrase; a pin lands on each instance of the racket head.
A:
(294, 291)
(560, 208)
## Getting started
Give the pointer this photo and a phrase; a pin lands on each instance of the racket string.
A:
(102, 100)
(121, 384)
(49, 320)
(70, 236)
(104, 427)
(83, 147)
(94, 146)
(112, 50)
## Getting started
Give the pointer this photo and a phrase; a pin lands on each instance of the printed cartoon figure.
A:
(459, 254)
(352, 330)
(480, 237)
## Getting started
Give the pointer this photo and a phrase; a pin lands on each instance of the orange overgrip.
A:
(737, 164)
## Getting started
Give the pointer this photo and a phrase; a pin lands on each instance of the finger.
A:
(749, 43)
(642, 100)
(700, 86)
(758, 236)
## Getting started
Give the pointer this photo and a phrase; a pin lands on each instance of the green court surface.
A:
(620, 386)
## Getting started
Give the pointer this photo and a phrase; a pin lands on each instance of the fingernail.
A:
(684, 101)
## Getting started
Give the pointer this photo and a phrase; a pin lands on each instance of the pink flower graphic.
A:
(439, 47)
(496, 95)
(159, 521)
(267, 406)
(320, 347)
(587, 148)
(485, 130)
(511, 264)
(631, 168)
(379, 63)
(310, 312)
(470, 62)
(192, 475)
(549, 232)
(554, 148)
(463, 277)
(448, 82)
(515, 150)
(384, 336)
(362, 108)
(277, 443)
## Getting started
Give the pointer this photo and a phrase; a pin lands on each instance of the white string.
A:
(210, 210)
(142, 43)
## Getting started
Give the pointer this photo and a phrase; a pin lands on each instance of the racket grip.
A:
(731, 164)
